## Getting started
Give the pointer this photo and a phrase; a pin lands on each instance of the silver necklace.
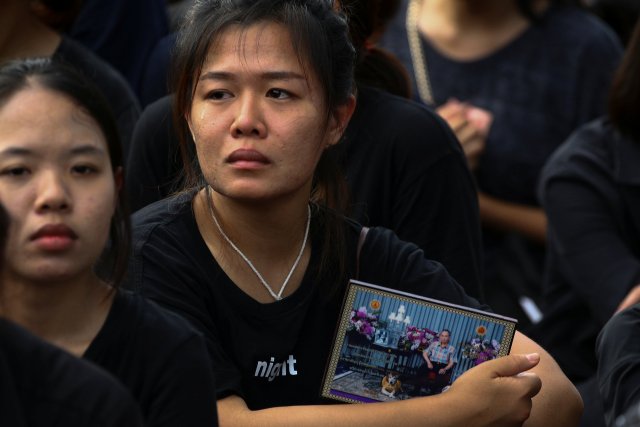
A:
(275, 296)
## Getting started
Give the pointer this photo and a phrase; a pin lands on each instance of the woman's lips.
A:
(247, 159)
(54, 237)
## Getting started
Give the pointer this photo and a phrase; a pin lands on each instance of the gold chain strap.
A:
(420, 69)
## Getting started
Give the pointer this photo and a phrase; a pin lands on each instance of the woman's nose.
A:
(53, 194)
(249, 120)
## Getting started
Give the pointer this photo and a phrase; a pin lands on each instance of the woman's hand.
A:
(499, 392)
(470, 125)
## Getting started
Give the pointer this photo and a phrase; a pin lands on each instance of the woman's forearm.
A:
(506, 401)
(558, 403)
(529, 221)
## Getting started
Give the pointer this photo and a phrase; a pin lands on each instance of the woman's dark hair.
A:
(320, 35)
(376, 67)
(19, 75)
(624, 96)
(4, 232)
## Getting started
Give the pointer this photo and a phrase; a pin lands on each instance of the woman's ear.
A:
(187, 118)
(340, 119)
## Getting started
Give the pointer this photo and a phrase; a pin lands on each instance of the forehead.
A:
(262, 44)
(36, 115)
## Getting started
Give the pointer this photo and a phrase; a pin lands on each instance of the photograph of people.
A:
(440, 358)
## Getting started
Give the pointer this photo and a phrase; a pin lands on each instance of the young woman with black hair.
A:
(255, 253)
(60, 179)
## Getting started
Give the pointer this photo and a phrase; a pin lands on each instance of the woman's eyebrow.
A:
(87, 149)
(16, 151)
(267, 75)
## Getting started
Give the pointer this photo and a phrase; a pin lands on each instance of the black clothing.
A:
(41, 385)
(270, 354)
(160, 358)
(404, 167)
(155, 83)
(407, 172)
(590, 190)
(122, 32)
(154, 162)
(541, 85)
(618, 351)
(113, 86)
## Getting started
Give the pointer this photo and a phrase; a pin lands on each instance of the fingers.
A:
(513, 364)
(466, 133)
(452, 108)
(532, 382)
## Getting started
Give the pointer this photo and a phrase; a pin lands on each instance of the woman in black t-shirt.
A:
(264, 91)
(60, 180)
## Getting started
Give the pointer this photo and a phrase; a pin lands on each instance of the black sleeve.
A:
(447, 185)
(388, 261)
(586, 238)
(618, 351)
(153, 163)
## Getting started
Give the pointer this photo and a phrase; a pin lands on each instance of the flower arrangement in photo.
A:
(364, 323)
(480, 350)
(416, 338)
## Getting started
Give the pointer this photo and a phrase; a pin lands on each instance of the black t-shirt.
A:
(41, 385)
(618, 351)
(173, 266)
(160, 359)
(124, 104)
(405, 171)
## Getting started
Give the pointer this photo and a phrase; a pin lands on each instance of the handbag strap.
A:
(361, 239)
(420, 68)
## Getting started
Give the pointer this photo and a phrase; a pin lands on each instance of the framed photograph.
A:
(393, 345)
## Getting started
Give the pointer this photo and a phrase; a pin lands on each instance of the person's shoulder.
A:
(406, 125)
(588, 148)
(163, 213)
(397, 110)
(50, 382)
(158, 109)
(154, 324)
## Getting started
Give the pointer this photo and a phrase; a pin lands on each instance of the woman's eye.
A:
(218, 95)
(278, 93)
(15, 171)
(83, 170)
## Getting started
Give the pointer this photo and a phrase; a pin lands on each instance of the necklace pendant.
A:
(275, 296)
